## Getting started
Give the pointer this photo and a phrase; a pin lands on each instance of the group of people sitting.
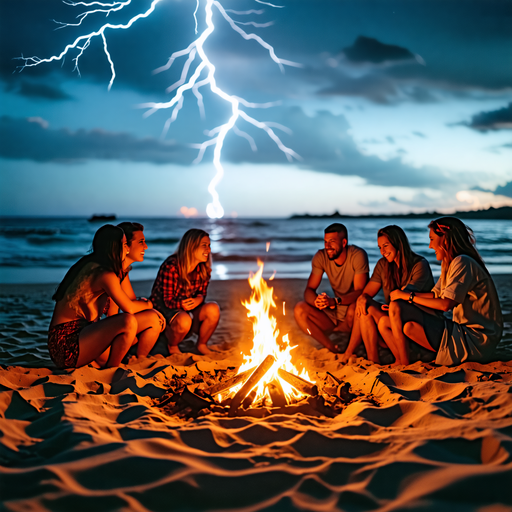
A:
(98, 318)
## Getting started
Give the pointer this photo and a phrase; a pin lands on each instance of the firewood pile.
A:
(208, 393)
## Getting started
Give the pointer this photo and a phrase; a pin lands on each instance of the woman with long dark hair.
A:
(150, 323)
(465, 287)
(77, 336)
(399, 269)
(179, 292)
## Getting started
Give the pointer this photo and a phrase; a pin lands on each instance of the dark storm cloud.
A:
(368, 49)
(466, 46)
(38, 91)
(31, 139)
(27, 29)
(505, 190)
(500, 119)
(325, 145)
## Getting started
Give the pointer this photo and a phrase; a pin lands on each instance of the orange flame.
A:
(266, 340)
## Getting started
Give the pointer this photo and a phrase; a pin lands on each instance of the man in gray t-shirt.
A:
(347, 269)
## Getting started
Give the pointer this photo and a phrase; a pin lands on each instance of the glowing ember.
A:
(266, 342)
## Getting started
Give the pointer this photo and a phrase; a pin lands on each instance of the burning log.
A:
(277, 394)
(252, 381)
(249, 399)
(298, 383)
(230, 383)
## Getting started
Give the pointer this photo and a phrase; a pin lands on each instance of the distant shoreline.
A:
(503, 213)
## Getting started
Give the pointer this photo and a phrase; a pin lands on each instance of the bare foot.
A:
(174, 349)
(203, 349)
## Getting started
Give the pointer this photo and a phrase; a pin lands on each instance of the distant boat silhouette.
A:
(102, 218)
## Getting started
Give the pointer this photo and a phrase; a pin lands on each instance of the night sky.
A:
(396, 106)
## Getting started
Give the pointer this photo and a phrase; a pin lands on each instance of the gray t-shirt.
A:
(478, 323)
(420, 280)
(341, 277)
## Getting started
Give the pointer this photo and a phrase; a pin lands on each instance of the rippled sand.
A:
(430, 437)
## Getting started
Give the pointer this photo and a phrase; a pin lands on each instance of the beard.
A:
(335, 255)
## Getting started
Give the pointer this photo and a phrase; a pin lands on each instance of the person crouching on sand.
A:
(466, 287)
(398, 269)
(179, 292)
(150, 322)
(77, 336)
(347, 268)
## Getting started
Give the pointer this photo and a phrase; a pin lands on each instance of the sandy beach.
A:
(424, 437)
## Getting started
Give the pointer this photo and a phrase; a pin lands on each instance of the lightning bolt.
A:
(197, 71)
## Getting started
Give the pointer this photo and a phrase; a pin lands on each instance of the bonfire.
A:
(268, 377)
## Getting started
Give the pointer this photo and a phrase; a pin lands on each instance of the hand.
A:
(362, 305)
(162, 320)
(192, 303)
(398, 294)
(324, 301)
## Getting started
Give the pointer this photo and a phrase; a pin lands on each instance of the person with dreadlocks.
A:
(465, 287)
(179, 292)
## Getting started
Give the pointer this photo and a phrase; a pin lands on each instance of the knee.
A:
(350, 314)
(395, 308)
(155, 320)
(212, 311)
(408, 329)
(299, 311)
(129, 323)
(383, 323)
(182, 322)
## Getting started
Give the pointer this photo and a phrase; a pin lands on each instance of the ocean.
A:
(41, 250)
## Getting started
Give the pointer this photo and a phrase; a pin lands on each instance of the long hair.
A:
(106, 251)
(129, 228)
(457, 239)
(190, 241)
(396, 276)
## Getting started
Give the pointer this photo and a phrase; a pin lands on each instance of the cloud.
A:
(32, 139)
(500, 119)
(38, 90)
(370, 50)
(324, 143)
(505, 190)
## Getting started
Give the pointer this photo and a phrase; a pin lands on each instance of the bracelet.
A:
(411, 297)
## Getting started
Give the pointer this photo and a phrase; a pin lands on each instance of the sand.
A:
(424, 437)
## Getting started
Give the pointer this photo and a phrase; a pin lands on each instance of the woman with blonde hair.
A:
(465, 287)
(179, 292)
(399, 269)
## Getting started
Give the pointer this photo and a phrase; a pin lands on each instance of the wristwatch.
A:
(338, 301)
(411, 297)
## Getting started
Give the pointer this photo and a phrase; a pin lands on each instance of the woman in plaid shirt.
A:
(179, 292)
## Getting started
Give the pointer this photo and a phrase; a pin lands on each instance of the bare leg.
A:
(316, 323)
(209, 316)
(177, 330)
(369, 334)
(117, 332)
(355, 339)
(400, 314)
(150, 326)
(348, 322)
(416, 332)
(387, 334)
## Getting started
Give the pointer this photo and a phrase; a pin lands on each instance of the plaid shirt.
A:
(168, 288)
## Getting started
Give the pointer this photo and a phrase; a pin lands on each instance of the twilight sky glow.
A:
(400, 105)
